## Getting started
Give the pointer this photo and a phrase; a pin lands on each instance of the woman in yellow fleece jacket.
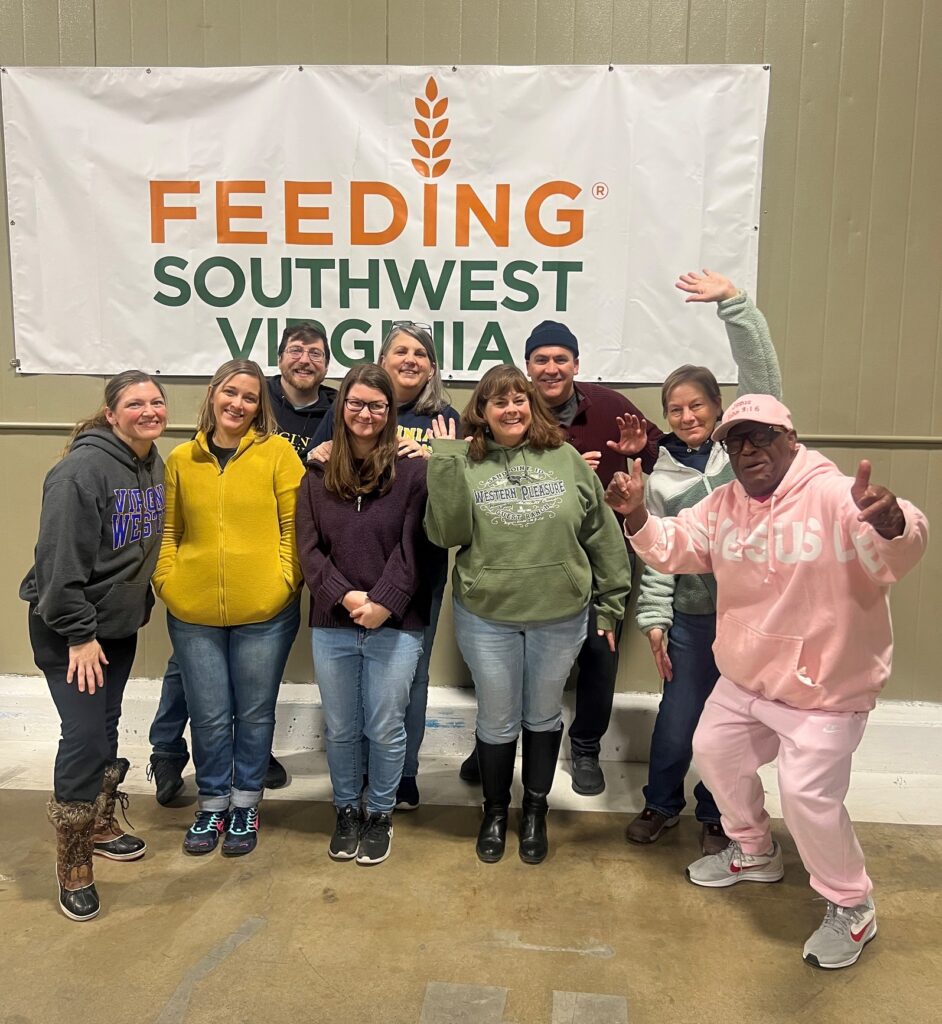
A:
(228, 572)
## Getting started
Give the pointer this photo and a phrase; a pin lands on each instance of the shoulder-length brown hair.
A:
(264, 424)
(544, 431)
(343, 476)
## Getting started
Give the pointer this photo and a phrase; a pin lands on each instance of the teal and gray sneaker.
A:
(241, 832)
(732, 865)
(842, 936)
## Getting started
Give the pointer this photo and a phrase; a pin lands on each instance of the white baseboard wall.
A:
(897, 770)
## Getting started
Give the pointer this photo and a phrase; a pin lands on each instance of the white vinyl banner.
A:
(172, 218)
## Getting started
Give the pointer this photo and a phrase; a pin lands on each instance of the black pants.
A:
(595, 690)
(89, 739)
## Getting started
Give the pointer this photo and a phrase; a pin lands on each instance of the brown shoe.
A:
(712, 838)
(649, 826)
(74, 824)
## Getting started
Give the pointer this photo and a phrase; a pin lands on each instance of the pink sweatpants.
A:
(738, 732)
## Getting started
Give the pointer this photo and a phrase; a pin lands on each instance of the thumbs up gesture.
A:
(878, 506)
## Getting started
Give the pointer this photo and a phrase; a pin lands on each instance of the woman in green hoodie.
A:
(537, 546)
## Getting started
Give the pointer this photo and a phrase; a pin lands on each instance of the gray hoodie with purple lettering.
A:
(99, 535)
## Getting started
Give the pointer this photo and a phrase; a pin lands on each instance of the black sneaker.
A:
(166, 770)
(587, 777)
(276, 777)
(242, 833)
(203, 835)
(407, 795)
(375, 839)
(346, 837)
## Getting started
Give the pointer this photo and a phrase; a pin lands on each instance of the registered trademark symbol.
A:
(600, 190)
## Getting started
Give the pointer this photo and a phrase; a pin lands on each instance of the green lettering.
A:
(362, 345)
(369, 284)
(160, 273)
(500, 354)
(419, 274)
(236, 350)
(562, 271)
(528, 288)
(219, 263)
(316, 269)
(258, 292)
(469, 285)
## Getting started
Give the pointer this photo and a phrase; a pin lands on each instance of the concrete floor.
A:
(601, 933)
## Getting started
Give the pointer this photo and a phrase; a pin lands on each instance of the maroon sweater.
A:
(594, 424)
(374, 543)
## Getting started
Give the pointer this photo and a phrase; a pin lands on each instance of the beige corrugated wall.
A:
(850, 268)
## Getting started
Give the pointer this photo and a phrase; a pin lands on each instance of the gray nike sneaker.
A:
(842, 936)
(732, 865)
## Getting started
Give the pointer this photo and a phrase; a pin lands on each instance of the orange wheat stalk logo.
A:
(430, 126)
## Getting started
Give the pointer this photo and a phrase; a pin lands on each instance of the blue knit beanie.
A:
(551, 333)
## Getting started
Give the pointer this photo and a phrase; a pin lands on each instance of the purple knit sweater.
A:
(374, 543)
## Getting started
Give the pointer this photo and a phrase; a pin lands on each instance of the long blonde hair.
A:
(264, 424)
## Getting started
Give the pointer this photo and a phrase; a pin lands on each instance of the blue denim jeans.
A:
(166, 731)
(231, 676)
(418, 691)
(519, 670)
(690, 649)
(364, 677)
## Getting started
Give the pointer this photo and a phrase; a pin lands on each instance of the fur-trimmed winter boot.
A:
(74, 824)
(110, 840)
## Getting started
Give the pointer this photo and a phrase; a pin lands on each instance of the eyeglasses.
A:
(357, 405)
(316, 355)
(760, 437)
(412, 323)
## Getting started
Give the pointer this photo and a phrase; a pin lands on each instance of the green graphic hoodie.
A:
(536, 542)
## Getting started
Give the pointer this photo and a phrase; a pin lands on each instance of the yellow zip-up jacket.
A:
(228, 555)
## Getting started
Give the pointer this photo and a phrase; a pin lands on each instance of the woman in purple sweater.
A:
(361, 544)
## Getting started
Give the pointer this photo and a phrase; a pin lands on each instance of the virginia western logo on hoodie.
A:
(138, 514)
(520, 495)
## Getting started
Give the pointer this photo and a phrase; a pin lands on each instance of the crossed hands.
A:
(363, 611)
(878, 505)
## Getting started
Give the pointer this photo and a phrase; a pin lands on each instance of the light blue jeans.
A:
(364, 677)
(519, 670)
(231, 676)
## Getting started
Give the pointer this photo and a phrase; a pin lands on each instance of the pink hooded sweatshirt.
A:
(805, 619)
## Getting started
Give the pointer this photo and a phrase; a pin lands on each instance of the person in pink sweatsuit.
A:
(803, 558)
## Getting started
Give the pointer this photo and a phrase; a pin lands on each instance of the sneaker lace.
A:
(206, 820)
(377, 824)
(840, 919)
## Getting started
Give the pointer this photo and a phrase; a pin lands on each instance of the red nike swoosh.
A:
(857, 936)
(736, 868)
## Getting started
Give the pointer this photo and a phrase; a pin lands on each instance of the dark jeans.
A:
(166, 731)
(595, 690)
(690, 649)
(89, 736)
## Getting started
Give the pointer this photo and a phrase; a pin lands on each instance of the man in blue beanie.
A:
(605, 428)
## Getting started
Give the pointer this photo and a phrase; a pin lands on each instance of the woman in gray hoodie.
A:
(89, 593)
